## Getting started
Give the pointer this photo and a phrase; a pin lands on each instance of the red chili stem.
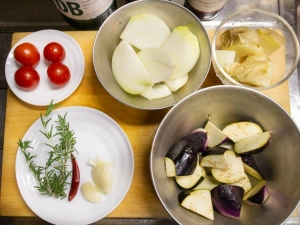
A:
(75, 178)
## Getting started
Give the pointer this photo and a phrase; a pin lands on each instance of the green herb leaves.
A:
(53, 177)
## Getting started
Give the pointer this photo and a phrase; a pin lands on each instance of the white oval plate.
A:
(45, 91)
(97, 135)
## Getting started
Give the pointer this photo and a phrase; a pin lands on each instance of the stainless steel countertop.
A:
(18, 16)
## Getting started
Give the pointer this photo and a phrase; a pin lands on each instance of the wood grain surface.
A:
(139, 125)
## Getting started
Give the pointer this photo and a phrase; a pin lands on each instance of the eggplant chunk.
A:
(190, 181)
(186, 162)
(170, 167)
(227, 200)
(250, 166)
(215, 135)
(208, 183)
(198, 201)
(240, 130)
(258, 194)
(232, 174)
(218, 157)
(196, 140)
(253, 144)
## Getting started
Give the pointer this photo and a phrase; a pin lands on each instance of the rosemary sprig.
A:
(53, 176)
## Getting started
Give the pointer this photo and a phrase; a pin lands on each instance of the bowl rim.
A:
(281, 19)
(150, 108)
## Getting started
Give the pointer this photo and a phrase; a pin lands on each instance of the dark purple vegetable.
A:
(214, 151)
(186, 162)
(227, 200)
(191, 181)
(250, 166)
(253, 144)
(184, 152)
(197, 140)
(258, 194)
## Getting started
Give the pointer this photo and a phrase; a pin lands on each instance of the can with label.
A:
(205, 9)
(86, 14)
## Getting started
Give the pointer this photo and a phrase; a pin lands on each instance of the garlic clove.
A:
(102, 179)
(90, 192)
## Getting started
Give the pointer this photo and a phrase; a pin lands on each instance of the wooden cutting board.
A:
(139, 125)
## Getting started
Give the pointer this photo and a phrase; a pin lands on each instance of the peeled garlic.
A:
(90, 192)
(102, 178)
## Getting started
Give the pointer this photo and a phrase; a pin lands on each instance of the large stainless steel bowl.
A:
(107, 39)
(279, 163)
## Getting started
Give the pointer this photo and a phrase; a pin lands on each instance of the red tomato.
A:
(27, 54)
(27, 77)
(59, 74)
(54, 52)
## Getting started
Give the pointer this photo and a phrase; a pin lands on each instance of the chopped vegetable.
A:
(254, 144)
(227, 200)
(250, 166)
(258, 194)
(198, 201)
(208, 183)
(270, 40)
(240, 130)
(219, 158)
(216, 136)
(183, 45)
(233, 174)
(145, 31)
(174, 85)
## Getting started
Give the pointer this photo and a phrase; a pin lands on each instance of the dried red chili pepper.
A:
(75, 178)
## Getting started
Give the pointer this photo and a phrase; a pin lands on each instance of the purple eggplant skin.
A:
(197, 140)
(249, 160)
(186, 162)
(227, 200)
(260, 197)
(214, 151)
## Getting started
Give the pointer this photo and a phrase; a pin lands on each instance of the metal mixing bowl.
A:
(278, 163)
(107, 39)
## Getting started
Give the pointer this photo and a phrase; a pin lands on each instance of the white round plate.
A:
(97, 135)
(45, 91)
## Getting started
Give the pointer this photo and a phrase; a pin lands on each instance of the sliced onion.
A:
(129, 70)
(156, 92)
(158, 63)
(184, 47)
(174, 85)
(145, 31)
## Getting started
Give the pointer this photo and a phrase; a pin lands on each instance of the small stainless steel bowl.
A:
(107, 39)
(278, 163)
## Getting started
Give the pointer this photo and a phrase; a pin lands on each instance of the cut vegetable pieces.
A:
(225, 57)
(253, 144)
(240, 130)
(233, 174)
(174, 85)
(158, 63)
(258, 194)
(218, 158)
(129, 70)
(227, 200)
(200, 202)
(250, 166)
(183, 45)
(157, 91)
(242, 40)
(90, 192)
(270, 40)
(188, 182)
(145, 31)
(170, 167)
(208, 183)
(216, 136)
